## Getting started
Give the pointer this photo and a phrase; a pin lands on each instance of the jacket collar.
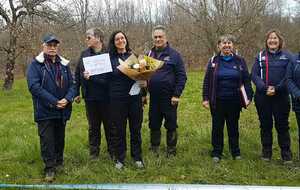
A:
(41, 58)
(166, 50)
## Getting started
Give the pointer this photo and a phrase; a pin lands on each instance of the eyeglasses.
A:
(52, 45)
(89, 37)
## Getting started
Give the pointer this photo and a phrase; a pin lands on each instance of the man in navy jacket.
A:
(50, 82)
(165, 88)
(94, 90)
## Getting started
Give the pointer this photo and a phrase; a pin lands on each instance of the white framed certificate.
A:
(97, 64)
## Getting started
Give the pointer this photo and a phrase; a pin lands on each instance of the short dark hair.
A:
(111, 43)
(278, 34)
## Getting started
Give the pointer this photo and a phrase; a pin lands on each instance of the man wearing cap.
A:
(50, 82)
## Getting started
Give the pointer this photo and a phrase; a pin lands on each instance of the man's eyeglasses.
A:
(89, 37)
(52, 45)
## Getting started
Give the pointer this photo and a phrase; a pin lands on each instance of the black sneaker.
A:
(49, 176)
(171, 152)
(94, 156)
(154, 150)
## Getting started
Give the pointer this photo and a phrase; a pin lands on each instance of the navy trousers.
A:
(277, 107)
(123, 110)
(52, 142)
(229, 112)
(97, 113)
(160, 110)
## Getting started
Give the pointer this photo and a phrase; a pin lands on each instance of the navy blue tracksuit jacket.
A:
(169, 80)
(272, 73)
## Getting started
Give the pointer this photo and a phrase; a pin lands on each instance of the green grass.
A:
(21, 163)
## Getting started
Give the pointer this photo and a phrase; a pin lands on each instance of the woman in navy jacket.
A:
(293, 81)
(226, 73)
(271, 97)
(123, 105)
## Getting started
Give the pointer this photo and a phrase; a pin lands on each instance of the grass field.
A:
(20, 160)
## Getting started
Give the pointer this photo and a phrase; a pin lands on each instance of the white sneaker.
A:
(119, 165)
(237, 158)
(216, 159)
(287, 162)
(139, 164)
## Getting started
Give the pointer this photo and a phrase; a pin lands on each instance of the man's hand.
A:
(174, 101)
(144, 100)
(142, 83)
(86, 75)
(77, 99)
(248, 104)
(270, 91)
(205, 104)
(61, 104)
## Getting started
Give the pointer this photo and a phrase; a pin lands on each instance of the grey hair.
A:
(227, 37)
(160, 27)
(96, 32)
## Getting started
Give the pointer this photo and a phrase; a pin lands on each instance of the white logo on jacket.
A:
(283, 57)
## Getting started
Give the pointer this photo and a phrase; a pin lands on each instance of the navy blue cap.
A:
(50, 38)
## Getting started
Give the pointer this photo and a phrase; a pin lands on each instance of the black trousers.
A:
(121, 111)
(159, 110)
(52, 142)
(229, 112)
(97, 113)
(277, 107)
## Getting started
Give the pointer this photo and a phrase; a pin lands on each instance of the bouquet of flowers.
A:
(141, 68)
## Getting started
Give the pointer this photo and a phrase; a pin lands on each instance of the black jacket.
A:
(96, 88)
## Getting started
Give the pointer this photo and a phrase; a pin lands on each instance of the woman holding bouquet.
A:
(125, 104)
(226, 73)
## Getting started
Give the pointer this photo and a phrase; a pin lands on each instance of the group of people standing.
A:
(275, 73)
(108, 98)
(109, 101)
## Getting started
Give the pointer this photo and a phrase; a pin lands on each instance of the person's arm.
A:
(292, 87)
(180, 77)
(247, 80)
(78, 77)
(34, 82)
(256, 78)
(282, 86)
(72, 89)
(205, 85)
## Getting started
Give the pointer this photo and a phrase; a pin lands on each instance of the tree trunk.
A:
(9, 75)
(11, 58)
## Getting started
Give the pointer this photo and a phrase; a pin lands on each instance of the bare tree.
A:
(14, 13)
(81, 8)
